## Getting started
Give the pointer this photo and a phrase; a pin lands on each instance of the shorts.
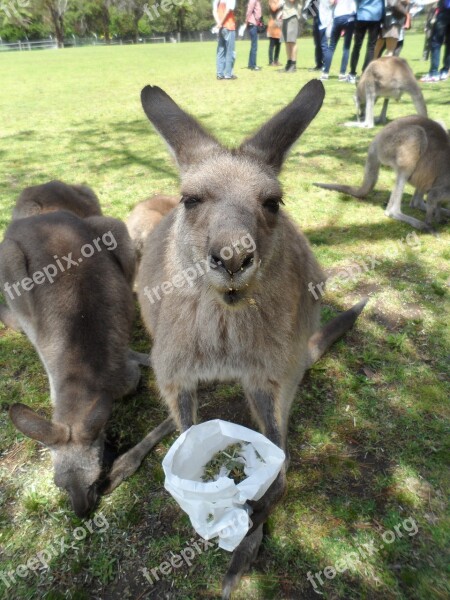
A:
(290, 29)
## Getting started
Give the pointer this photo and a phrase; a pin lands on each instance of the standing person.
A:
(252, 18)
(344, 21)
(440, 32)
(290, 27)
(274, 31)
(368, 19)
(223, 11)
(321, 22)
(394, 20)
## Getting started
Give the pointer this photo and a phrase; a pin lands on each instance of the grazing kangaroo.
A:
(57, 195)
(146, 215)
(387, 77)
(418, 149)
(76, 307)
(248, 314)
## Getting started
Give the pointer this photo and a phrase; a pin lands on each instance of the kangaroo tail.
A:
(320, 341)
(370, 177)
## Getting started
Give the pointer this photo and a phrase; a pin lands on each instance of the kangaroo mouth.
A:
(233, 297)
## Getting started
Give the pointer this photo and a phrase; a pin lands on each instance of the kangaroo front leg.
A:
(394, 207)
(370, 106)
(8, 319)
(417, 201)
(183, 406)
(128, 463)
(382, 119)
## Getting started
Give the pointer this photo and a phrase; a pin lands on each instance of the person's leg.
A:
(391, 45)
(360, 30)
(220, 56)
(271, 49)
(317, 46)
(334, 39)
(373, 30)
(398, 47)
(349, 28)
(277, 49)
(379, 47)
(323, 46)
(446, 64)
(437, 39)
(229, 60)
(253, 46)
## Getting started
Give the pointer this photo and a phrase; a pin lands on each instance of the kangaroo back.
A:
(57, 195)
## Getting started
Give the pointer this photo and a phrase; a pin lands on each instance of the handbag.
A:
(261, 27)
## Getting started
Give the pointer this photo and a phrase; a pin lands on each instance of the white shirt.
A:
(344, 7)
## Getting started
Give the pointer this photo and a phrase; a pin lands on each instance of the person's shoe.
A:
(220, 77)
(342, 77)
(255, 68)
(292, 68)
(324, 76)
(444, 75)
(351, 78)
(231, 77)
(429, 78)
(316, 68)
(277, 64)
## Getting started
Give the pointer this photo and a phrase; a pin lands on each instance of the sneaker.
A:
(342, 77)
(255, 68)
(444, 75)
(324, 76)
(429, 78)
(220, 77)
(231, 77)
(291, 69)
(277, 64)
(316, 68)
(351, 78)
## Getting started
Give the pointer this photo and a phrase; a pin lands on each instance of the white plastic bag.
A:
(218, 508)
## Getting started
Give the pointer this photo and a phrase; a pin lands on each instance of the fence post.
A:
(20, 45)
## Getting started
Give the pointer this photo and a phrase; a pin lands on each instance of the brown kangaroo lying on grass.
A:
(249, 316)
(57, 195)
(387, 77)
(146, 215)
(418, 149)
(67, 284)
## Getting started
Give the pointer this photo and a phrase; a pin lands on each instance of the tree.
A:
(56, 10)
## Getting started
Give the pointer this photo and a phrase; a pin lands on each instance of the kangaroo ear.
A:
(36, 427)
(95, 419)
(188, 141)
(274, 140)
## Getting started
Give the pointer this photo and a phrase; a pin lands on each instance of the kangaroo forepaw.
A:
(241, 561)
(265, 505)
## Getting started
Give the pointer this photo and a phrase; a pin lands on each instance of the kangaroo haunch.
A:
(248, 314)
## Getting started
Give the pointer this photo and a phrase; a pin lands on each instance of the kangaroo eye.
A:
(190, 201)
(273, 204)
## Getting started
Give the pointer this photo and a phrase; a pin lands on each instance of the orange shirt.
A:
(230, 21)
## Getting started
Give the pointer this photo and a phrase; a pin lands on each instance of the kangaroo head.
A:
(76, 449)
(230, 200)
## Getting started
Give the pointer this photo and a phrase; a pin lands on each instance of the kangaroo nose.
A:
(231, 261)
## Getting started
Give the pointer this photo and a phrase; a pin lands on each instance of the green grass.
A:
(368, 429)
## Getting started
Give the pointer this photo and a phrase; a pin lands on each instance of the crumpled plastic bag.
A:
(218, 508)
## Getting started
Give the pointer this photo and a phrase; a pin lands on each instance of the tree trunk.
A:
(105, 20)
(58, 24)
(136, 17)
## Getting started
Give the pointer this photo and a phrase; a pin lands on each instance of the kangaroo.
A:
(418, 149)
(57, 195)
(387, 77)
(76, 307)
(146, 215)
(246, 313)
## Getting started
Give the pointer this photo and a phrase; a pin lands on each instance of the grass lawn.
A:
(368, 429)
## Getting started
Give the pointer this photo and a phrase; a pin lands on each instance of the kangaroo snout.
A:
(231, 260)
(83, 500)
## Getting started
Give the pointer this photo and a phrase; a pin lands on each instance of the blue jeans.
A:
(440, 30)
(320, 43)
(339, 24)
(225, 52)
(253, 32)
